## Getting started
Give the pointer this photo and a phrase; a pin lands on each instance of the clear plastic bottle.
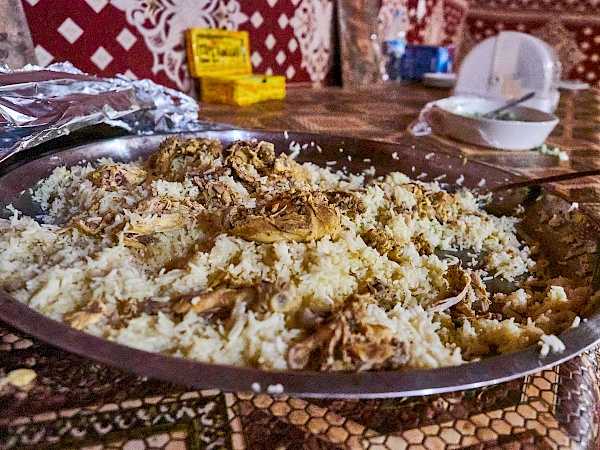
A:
(394, 45)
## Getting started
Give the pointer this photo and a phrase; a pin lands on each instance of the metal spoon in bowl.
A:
(493, 114)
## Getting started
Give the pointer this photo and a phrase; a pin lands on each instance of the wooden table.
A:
(76, 403)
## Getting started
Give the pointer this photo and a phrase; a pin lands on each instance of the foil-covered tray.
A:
(413, 156)
(38, 105)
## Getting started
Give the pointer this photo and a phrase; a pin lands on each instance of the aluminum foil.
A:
(39, 104)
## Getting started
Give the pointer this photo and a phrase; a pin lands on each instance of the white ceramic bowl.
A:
(452, 117)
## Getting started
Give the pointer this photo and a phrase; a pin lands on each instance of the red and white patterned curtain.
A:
(144, 38)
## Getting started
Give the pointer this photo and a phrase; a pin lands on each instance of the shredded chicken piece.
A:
(115, 176)
(89, 314)
(347, 202)
(380, 292)
(286, 176)
(475, 304)
(440, 201)
(93, 226)
(226, 194)
(324, 339)
(250, 160)
(308, 319)
(212, 301)
(285, 166)
(279, 296)
(139, 235)
(385, 244)
(156, 224)
(296, 217)
(133, 232)
(216, 193)
(140, 242)
(422, 245)
(466, 295)
(432, 204)
(348, 342)
(481, 301)
(153, 205)
(459, 284)
(129, 308)
(160, 162)
(379, 240)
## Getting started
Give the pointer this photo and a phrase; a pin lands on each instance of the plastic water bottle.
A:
(394, 46)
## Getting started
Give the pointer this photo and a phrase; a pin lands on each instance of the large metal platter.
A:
(413, 156)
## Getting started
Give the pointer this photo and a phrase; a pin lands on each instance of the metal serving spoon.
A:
(494, 113)
(536, 182)
(543, 180)
(499, 284)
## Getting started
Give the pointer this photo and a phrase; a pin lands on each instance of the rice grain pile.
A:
(238, 256)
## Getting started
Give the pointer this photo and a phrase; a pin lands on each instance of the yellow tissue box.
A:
(220, 59)
(242, 89)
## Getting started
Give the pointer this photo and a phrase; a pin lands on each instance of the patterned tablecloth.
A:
(77, 403)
